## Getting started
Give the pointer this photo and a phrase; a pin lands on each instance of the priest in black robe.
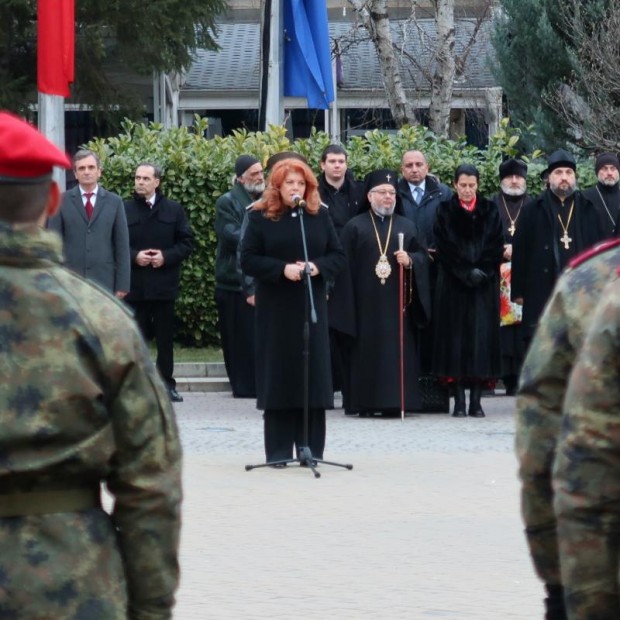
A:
(365, 304)
(605, 195)
(553, 228)
(510, 201)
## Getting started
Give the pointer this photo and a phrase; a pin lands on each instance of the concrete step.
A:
(202, 384)
(200, 369)
(201, 377)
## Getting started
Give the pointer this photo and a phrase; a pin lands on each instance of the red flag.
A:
(56, 46)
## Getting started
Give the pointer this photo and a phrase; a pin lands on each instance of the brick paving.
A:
(426, 526)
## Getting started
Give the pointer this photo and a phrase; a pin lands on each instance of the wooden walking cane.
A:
(401, 311)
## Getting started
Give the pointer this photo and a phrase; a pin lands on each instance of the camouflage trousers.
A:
(589, 556)
(64, 566)
(540, 528)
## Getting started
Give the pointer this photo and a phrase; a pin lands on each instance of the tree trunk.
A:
(445, 69)
(375, 18)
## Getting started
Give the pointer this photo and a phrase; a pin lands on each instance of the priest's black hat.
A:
(606, 159)
(511, 167)
(383, 176)
(559, 159)
(277, 157)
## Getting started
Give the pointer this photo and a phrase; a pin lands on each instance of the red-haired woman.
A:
(272, 252)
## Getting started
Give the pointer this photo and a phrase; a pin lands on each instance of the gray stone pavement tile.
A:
(426, 526)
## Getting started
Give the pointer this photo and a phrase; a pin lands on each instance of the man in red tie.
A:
(93, 227)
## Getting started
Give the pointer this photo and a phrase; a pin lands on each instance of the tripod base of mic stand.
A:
(305, 459)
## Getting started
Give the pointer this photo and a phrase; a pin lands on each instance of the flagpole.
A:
(55, 69)
(52, 125)
(274, 105)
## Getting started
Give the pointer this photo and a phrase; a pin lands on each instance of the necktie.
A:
(149, 204)
(89, 205)
(418, 194)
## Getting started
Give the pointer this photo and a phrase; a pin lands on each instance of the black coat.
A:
(368, 311)
(423, 215)
(163, 227)
(266, 247)
(537, 258)
(606, 201)
(466, 316)
(343, 203)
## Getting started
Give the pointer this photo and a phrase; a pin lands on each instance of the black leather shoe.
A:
(477, 413)
(175, 397)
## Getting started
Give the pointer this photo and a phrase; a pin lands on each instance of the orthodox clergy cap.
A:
(277, 157)
(243, 163)
(373, 179)
(380, 177)
(26, 156)
(559, 159)
(512, 166)
(606, 159)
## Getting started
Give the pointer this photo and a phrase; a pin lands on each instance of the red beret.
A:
(26, 156)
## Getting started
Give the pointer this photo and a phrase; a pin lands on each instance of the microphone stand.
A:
(304, 453)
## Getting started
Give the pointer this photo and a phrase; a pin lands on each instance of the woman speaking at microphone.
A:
(272, 252)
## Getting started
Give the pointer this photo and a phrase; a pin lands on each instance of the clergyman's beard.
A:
(513, 191)
(383, 211)
(562, 193)
(609, 182)
(255, 188)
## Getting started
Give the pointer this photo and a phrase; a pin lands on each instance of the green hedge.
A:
(197, 171)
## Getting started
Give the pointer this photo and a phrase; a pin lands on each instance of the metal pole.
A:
(52, 126)
(274, 105)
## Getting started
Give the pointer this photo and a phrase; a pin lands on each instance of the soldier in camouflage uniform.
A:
(542, 388)
(81, 405)
(586, 476)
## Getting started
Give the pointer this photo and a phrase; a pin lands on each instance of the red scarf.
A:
(468, 206)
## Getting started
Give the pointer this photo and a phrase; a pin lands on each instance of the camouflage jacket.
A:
(542, 388)
(81, 405)
(587, 467)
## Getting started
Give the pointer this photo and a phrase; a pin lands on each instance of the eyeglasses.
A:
(383, 192)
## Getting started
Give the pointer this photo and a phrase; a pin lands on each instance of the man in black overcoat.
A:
(342, 194)
(235, 308)
(159, 240)
(421, 193)
(556, 226)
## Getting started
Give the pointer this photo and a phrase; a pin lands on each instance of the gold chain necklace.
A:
(565, 239)
(513, 222)
(383, 269)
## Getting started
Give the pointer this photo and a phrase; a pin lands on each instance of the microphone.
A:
(298, 201)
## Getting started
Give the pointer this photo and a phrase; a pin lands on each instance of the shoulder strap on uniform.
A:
(595, 250)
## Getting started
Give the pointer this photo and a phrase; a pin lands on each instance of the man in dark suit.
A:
(93, 227)
(159, 239)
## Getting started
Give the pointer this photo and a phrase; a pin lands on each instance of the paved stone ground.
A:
(425, 526)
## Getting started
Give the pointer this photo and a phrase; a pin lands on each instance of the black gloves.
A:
(476, 277)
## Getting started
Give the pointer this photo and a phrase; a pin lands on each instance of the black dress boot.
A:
(459, 401)
(554, 603)
(510, 383)
(475, 408)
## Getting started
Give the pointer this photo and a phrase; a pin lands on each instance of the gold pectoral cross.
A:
(565, 239)
(512, 229)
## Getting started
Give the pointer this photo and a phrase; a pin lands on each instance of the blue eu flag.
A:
(307, 59)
